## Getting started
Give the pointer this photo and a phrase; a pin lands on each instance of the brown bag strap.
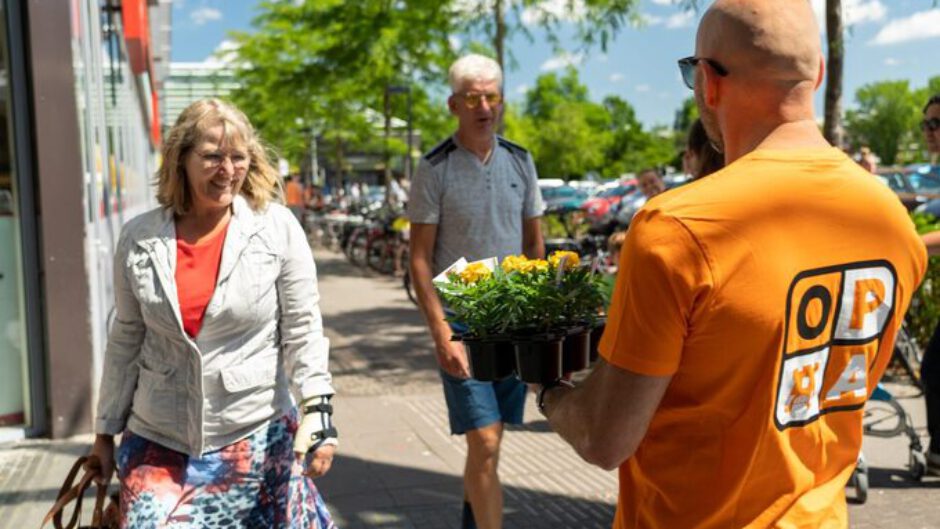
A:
(68, 492)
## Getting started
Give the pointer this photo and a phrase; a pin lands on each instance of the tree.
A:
(317, 67)
(885, 120)
(832, 126)
(595, 22)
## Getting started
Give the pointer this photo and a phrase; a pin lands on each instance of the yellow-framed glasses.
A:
(474, 99)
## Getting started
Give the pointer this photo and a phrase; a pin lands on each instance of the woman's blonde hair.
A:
(262, 183)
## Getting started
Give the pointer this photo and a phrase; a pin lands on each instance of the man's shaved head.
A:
(764, 63)
(763, 40)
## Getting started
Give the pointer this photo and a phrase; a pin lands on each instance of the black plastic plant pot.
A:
(576, 351)
(538, 358)
(490, 359)
(596, 334)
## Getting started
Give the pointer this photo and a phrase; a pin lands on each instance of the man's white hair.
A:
(474, 67)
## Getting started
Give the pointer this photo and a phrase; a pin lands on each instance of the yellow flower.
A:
(513, 263)
(475, 272)
(535, 265)
(571, 262)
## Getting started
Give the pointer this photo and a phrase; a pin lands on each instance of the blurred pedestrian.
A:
(475, 195)
(930, 365)
(700, 158)
(650, 183)
(217, 328)
(867, 159)
(294, 196)
(931, 127)
(754, 310)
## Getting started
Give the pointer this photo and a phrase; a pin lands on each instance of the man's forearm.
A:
(428, 301)
(569, 416)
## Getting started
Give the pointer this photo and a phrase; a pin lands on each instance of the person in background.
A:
(650, 183)
(476, 196)
(216, 342)
(700, 158)
(867, 160)
(930, 365)
(754, 310)
(295, 197)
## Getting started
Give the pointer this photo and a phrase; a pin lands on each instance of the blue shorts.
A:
(472, 404)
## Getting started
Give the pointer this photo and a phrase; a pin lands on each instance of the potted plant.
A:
(474, 294)
(581, 298)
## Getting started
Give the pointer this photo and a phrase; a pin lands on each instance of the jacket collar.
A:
(161, 245)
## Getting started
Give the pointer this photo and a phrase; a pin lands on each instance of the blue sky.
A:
(887, 40)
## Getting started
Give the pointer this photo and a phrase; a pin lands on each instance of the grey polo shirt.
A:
(478, 208)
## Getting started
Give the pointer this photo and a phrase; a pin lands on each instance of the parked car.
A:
(913, 187)
(607, 196)
(562, 196)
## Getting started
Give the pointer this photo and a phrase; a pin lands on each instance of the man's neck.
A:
(802, 134)
(480, 145)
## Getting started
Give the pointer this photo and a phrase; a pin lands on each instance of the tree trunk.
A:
(832, 127)
(499, 35)
(499, 41)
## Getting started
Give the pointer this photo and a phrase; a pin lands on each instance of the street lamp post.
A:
(409, 171)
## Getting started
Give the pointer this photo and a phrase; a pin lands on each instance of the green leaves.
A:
(526, 301)
(887, 120)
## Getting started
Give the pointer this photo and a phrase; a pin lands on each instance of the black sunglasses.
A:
(932, 124)
(687, 68)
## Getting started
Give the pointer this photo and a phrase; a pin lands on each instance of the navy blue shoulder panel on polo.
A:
(517, 150)
(441, 152)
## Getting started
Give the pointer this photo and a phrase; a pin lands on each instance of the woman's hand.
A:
(103, 449)
(318, 462)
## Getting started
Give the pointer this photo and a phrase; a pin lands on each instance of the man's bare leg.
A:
(480, 478)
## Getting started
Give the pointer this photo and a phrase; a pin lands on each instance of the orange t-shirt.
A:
(294, 193)
(197, 270)
(771, 291)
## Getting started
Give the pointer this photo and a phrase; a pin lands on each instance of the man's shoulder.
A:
(514, 148)
(441, 151)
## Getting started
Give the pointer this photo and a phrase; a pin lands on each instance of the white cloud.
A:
(642, 88)
(205, 14)
(662, 2)
(652, 20)
(563, 60)
(680, 20)
(919, 26)
(455, 42)
(553, 9)
(224, 53)
(853, 12)
(616, 77)
(891, 61)
(522, 89)
(473, 7)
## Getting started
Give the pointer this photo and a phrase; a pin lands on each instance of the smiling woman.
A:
(218, 285)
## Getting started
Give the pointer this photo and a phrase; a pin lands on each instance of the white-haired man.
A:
(474, 195)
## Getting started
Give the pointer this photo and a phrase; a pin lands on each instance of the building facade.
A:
(80, 92)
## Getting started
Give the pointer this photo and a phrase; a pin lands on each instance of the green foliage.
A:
(570, 135)
(887, 120)
(924, 312)
(525, 296)
(316, 66)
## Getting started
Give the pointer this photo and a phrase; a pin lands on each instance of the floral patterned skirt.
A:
(255, 482)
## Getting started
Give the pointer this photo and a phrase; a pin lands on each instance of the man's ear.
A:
(452, 104)
(822, 71)
(711, 85)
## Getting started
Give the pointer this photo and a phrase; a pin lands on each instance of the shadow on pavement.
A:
(363, 494)
(898, 478)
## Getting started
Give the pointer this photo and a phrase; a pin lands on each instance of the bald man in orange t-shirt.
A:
(754, 311)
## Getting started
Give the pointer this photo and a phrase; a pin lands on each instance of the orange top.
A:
(295, 193)
(771, 291)
(197, 270)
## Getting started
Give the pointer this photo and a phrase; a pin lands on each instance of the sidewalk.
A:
(397, 466)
